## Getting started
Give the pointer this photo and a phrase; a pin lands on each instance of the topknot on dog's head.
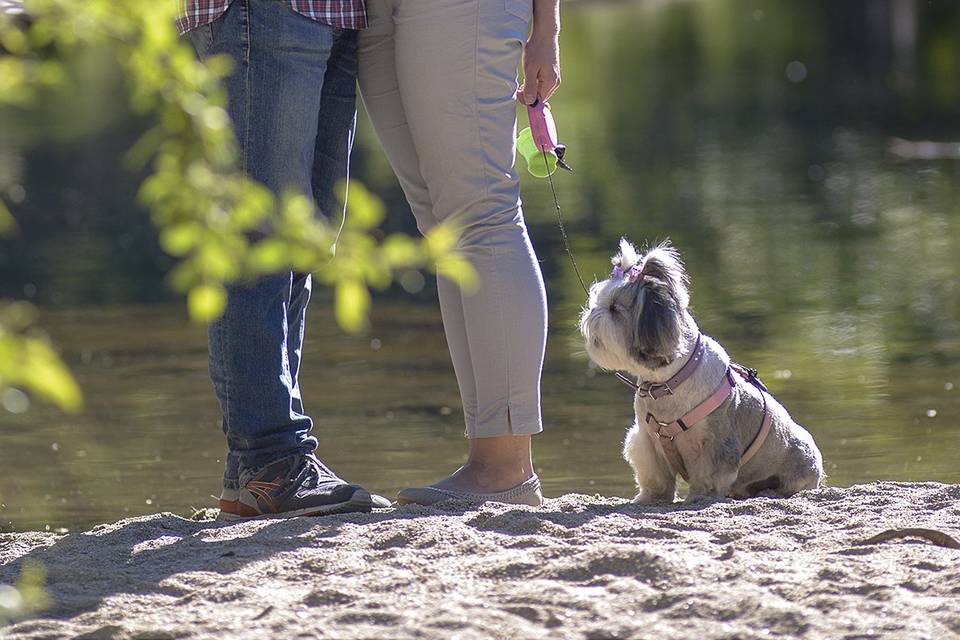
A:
(661, 262)
(627, 257)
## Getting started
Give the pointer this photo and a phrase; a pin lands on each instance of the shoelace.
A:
(309, 471)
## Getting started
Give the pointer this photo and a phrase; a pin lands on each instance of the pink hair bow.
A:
(633, 274)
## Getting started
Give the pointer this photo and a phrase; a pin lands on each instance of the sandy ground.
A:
(579, 567)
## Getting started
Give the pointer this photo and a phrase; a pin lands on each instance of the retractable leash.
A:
(540, 139)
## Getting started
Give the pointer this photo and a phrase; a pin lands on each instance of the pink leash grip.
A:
(542, 126)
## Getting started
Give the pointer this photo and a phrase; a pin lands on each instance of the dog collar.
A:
(657, 390)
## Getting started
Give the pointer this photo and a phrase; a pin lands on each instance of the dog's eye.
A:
(614, 308)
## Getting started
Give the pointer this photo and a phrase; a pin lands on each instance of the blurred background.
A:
(803, 156)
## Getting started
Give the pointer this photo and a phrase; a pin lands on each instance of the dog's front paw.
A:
(695, 497)
(654, 497)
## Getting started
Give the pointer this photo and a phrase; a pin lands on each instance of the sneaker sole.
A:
(359, 502)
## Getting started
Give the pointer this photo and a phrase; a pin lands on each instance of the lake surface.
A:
(816, 254)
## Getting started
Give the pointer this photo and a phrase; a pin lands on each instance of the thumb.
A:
(529, 90)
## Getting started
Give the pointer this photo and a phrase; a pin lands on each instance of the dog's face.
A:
(635, 320)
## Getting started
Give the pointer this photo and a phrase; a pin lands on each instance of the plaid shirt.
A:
(346, 14)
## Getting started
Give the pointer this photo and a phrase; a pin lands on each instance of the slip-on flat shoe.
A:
(380, 502)
(526, 493)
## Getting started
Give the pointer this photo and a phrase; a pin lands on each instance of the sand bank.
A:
(579, 567)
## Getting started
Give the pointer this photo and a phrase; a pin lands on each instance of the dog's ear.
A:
(657, 324)
(662, 262)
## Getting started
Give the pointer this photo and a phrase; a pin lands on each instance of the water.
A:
(816, 255)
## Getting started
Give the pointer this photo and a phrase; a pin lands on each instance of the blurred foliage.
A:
(222, 227)
(26, 597)
(27, 361)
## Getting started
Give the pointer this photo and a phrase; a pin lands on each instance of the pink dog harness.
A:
(669, 430)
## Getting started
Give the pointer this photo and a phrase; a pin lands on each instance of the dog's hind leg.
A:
(809, 479)
(802, 469)
(655, 481)
(715, 471)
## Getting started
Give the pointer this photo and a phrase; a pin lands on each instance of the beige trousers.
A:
(438, 78)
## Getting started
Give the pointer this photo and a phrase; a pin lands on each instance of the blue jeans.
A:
(292, 100)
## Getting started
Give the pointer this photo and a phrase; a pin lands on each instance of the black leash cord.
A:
(563, 231)
(566, 245)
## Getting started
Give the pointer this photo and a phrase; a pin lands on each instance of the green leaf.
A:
(441, 240)
(216, 260)
(297, 209)
(183, 276)
(7, 223)
(458, 269)
(16, 316)
(255, 204)
(364, 209)
(400, 250)
(180, 239)
(29, 362)
(269, 256)
(45, 375)
(351, 304)
(219, 65)
(13, 41)
(29, 596)
(441, 244)
(206, 302)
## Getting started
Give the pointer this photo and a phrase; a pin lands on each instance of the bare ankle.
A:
(503, 454)
(502, 474)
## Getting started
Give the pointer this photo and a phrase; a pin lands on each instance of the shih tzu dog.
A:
(698, 414)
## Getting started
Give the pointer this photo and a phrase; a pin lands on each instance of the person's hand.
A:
(541, 68)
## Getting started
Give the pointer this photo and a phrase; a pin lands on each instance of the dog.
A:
(698, 414)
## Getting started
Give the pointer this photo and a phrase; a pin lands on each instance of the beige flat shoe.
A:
(526, 493)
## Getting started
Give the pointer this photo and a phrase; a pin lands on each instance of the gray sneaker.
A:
(298, 485)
